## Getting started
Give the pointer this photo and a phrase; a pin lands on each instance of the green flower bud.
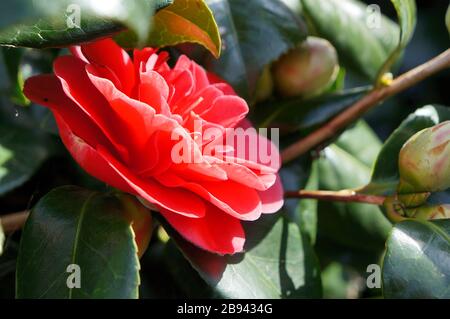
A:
(424, 161)
(264, 87)
(307, 70)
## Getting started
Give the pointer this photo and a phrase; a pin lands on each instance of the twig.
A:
(339, 196)
(14, 221)
(372, 99)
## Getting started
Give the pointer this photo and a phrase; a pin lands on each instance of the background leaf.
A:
(306, 212)
(297, 114)
(22, 152)
(360, 46)
(44, 23)
(417, 260)
(12, 59)
(183, 21)
(254, 33)
(71, 225)
(345, 165)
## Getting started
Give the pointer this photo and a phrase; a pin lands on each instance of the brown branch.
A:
(348, 196)
(14, 221)
(375, 97)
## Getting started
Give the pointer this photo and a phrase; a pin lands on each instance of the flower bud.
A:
(307, 70)
(424, 161)
(141, 221)
(264, 87)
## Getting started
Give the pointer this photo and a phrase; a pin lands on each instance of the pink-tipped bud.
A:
(424, 161)
(307, 70)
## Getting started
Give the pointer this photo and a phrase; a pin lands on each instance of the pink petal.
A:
(237, 200)
(227, 111)
(78, 87)
(272, 199)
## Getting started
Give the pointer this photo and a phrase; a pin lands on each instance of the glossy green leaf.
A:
(417, 260)
(385, 175)
(363, 38)
(254, 33)
(301, 174)
(306, 212)
(278, 263)
(345, 165)
(71, 226)
(22, 152)
(406, 12)
(182, 22)
(7, 268)
(12, 59)
(298, 114)
(56, 23)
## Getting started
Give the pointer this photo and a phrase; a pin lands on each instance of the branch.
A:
(375, 97)
(339, 196)
(12, 222)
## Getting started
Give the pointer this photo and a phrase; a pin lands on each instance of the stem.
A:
(375, 97)
(339, 196)
(14, 221)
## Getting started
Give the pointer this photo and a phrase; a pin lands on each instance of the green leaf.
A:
(345, 165)
(71, 225)
(306, 211)
(297, 114)
(385, 175)
(300, 174)
(183, 21)
(278, 263)
(12, 60)
(8, 268)
(341, 282)
(50, 23)
(406, 12)
(362, 44)
(186, 278)
(361, 142)
(254, 33)
(22, 152)
(417, 260)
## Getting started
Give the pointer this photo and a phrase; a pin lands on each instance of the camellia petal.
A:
(116, 59)
(216, 232)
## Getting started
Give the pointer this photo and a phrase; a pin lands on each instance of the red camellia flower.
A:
(124, 120)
